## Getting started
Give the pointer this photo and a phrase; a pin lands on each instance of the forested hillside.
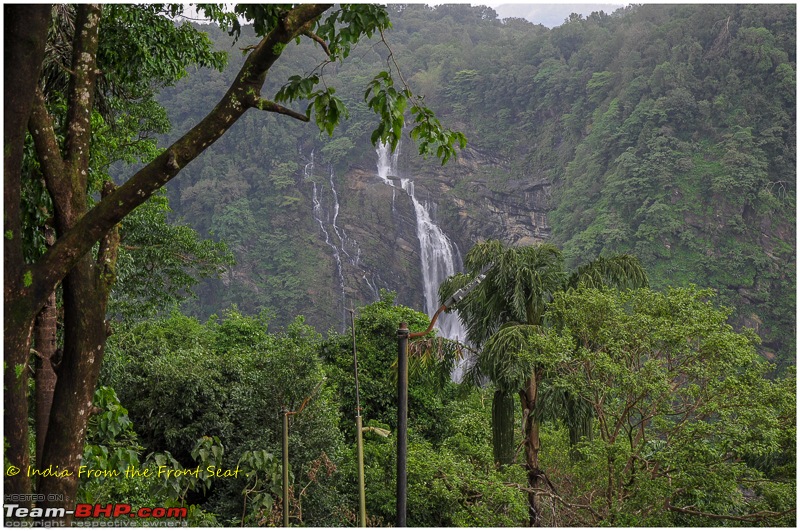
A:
(614, 249)
(664, 131)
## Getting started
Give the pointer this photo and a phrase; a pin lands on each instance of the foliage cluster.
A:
(230, 379)
(685, 420)
(667, 131)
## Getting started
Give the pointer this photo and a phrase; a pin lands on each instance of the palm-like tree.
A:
(505, 321)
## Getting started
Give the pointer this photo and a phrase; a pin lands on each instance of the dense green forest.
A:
(663, 131)
(627, 198)
(190, 387)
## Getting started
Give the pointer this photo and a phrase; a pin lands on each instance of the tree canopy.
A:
(83, 86)
(665, 131)
(584, 133)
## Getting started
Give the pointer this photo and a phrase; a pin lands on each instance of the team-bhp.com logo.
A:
(117, 510)
(87, 510)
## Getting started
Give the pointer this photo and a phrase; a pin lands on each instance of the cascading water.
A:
(319, 214)
(436, 249)
(339, 234)
(372, 287)
(329, 218)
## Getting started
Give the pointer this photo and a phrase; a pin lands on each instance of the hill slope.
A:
(666, 131)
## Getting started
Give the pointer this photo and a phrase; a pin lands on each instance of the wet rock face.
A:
(479, 199)
(517, 216)
(381, 230)
(465, 198)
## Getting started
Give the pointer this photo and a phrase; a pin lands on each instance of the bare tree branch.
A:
(316, 38)
(271, 106)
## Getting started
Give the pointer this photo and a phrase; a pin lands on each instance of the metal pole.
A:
(402, 422)
(285, 468)
(355, 360)
(362, 500)
(402, 390)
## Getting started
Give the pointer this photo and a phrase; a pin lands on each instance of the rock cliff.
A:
(379, 226)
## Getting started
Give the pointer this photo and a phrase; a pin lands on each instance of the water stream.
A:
(437, 251)
(439, 256)
(321, 218)
(343, 248)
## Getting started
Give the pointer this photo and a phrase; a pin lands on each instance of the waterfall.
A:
(436, 250)
(319, 214)
(372, 287)
(328, 219)
(339, 234)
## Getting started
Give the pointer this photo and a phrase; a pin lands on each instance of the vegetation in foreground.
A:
(679, 424)
(687, 429)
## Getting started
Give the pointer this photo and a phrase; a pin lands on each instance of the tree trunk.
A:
(86, 290)
(15, 405)
(85, 283)
(84, 344)
(503, 427)
(528, 398)
(24, 43)
(45, 344)
(86, 287)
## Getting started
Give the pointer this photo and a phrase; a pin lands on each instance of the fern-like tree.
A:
(505, 321)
